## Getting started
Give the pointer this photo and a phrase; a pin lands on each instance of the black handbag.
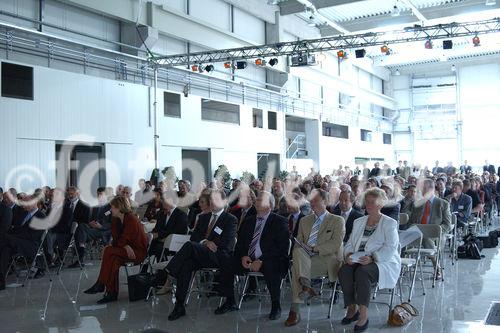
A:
(139, 285)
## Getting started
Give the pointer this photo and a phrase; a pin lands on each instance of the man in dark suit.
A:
(294, 215)
(5, 217)
(211, 245)
(488, 167)
(262, 246)
(346, 210)
(99, 227)
(169, 220)
(375, 172)
(23, 239)
(437, 169)
(466, 169)
(59, 221)
(245, 205)
(80, 210)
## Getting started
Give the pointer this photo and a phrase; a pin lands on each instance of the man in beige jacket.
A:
(320, 252)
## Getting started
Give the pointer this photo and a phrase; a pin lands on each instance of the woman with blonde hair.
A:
(371, 257)
(129, 244)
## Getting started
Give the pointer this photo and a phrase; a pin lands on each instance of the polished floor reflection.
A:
(459, 304)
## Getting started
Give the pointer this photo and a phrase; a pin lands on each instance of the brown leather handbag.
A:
(402, 314)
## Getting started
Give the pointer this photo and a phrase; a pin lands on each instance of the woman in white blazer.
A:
(375, 237)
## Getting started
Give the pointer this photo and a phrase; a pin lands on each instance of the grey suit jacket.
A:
(440, 213)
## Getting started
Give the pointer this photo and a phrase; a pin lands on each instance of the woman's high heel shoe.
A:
(95, 289)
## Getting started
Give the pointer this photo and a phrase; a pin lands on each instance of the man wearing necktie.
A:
(262, 246)
(23, 240)
(431, 210)
(170, 220)
(210, 246)
(99, 227)
(322, 234)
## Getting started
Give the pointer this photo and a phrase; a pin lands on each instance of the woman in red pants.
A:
(129, 244)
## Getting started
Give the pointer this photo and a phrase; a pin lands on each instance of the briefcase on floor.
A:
(139, 285)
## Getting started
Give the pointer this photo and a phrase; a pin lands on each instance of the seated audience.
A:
(129, 244)
(392, 206)
(98, 229)
(23, 240)
(169, 220)
(346, 209)
(127, 193)
(294, 214)
(408, 202)
(262, 246)
(460, 204)
(186, 197)
(321, 234)
(431, 210)
(211, 246)
(376, 238)
(154, 206)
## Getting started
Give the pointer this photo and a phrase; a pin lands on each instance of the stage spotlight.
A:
(428, 44)
(476, 41)
(195, 68)
(227, 65)
(209, 68)
(341, 54)
(397, 72)
(447, 44)
(260, 62)
(273, 62)
(360, 53)
(384, 49)
(241, 64)
(453, 68)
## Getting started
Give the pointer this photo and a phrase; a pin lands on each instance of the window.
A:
(219, 111)
(366, 135)
(387, 139)
(272, 123)
(336, 131)
(17, 81)
(257, 118)
(171, 105)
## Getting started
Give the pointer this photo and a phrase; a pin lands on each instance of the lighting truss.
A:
(406, 35)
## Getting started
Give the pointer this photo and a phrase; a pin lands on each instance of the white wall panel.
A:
(26, 8)
(70, 17)
(215, 12)
(180, 5)
(169, 45)
(250, 27)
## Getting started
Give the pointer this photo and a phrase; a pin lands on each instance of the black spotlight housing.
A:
(360, 53)
(209, 68)
(241, 64)
(273, 62)
(447, 44)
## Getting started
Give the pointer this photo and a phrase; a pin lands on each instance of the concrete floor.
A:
(459, 304)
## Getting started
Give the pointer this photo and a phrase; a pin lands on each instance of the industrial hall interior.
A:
(185, 166)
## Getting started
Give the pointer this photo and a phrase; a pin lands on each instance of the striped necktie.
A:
(256, 237)
(313, 237)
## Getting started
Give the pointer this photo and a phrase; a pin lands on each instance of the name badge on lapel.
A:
(460, 207)
(218, 230)
(107, 213)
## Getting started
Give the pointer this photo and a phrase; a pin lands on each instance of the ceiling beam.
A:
(414, 10)
(293, 6)
(364, 24)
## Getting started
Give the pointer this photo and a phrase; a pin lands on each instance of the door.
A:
(196, 167)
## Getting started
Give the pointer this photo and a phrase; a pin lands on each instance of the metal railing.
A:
(98, 61)
(297, 145)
